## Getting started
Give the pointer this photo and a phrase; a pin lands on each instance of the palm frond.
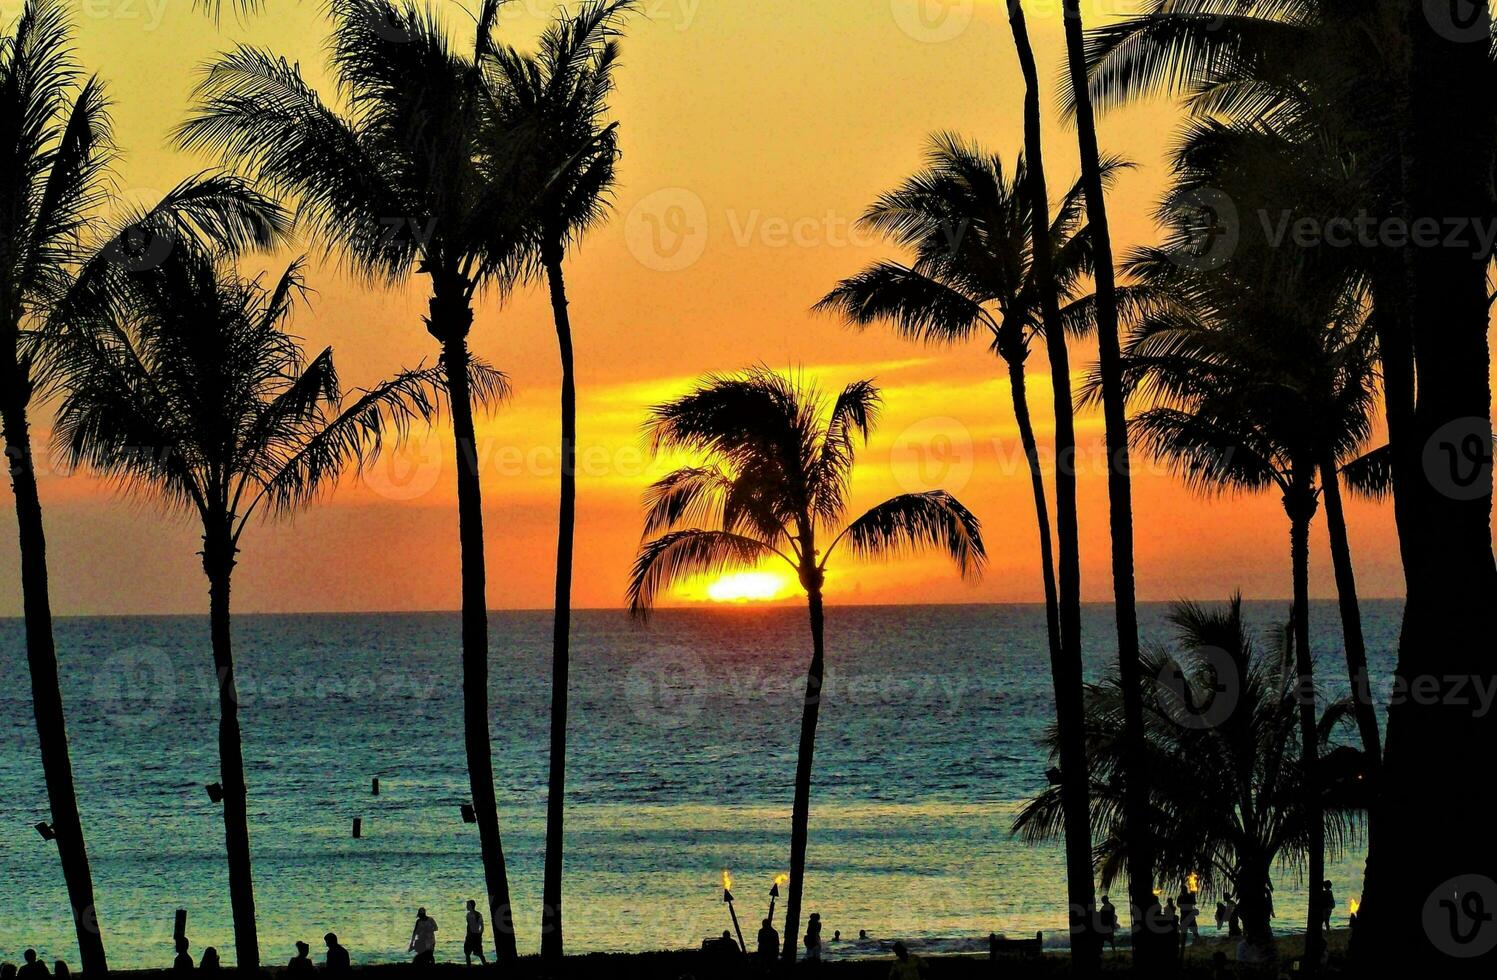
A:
(679, 555)
(915, 521)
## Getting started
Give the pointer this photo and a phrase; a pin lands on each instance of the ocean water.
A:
(683, 740)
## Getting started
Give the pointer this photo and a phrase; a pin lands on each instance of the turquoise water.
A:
(683, 742)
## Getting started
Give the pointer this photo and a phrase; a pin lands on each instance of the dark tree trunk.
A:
(800, 811)
(1066, 671)
(1119, 481)
(476, 646)
(46, 691)
(218, 563)
(1300, 505)
(1255, 906)
(1351, 617)
(1443, 478)
(551, 939)
(1041, 507)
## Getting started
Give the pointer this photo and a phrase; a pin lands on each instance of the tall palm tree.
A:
(1255, 388)
(1227, 801)
(422, 175)
(195, 393)
(561, 94)
(1066, 670)
(58, 255)
(773, 478)
(968, 225)
(1119, 482)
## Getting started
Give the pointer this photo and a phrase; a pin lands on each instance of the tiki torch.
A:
(1352, 907)
(728, 898)
(774, 892)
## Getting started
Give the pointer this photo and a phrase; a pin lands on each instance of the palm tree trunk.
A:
(1041, 506)
(1351, 617)
(1119, 482)
(1066, 670)
(551, 939)
(476, 648)
(46, 691)
(1452, 581)
(800, 811)
(1253, 907)
(218, 563)
(1300, 505)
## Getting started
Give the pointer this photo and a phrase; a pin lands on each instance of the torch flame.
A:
(1193, 882)
(727, 880)
(782, 879)
(1353, 905)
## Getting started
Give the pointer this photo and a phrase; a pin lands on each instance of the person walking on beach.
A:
(1327, 905)
(907, 966)
(301, 964)
(32, 968)
(1107, 919)
(769, 945)
(1188, 914)
(424, 938)
(473, 941)
(337, 963)
(183, 961)
(813, 938)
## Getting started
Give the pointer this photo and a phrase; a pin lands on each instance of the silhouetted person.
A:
(768, 950)
(337, 963)
(1188, 914)
(424, 938)
(301, 964)
(836, 935)
(1221, 916)
(473, 941)
(725, 946)
(862, 935)
(906, 965)
(182, 963)
(210, 963)
(1327, 905)
(33, 967)
(60, 969)
(1107, 920)
(813, 938)
(7, 971)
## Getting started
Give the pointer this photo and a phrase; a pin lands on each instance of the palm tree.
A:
(1226, 801)
(773, 478)
(561, 94)
(59, 255)
(1119, 482)
(1371, 81)
(423, 175)
(968, 226)
(195, 393)
(1255, 388)
(1066, 669)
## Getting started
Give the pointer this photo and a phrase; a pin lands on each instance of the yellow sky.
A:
(753, 134)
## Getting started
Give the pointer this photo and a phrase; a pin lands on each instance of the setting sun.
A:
(748, 587)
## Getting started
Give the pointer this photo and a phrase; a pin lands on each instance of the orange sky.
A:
(753, 134)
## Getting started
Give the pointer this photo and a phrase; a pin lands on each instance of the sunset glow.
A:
(749, 587)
